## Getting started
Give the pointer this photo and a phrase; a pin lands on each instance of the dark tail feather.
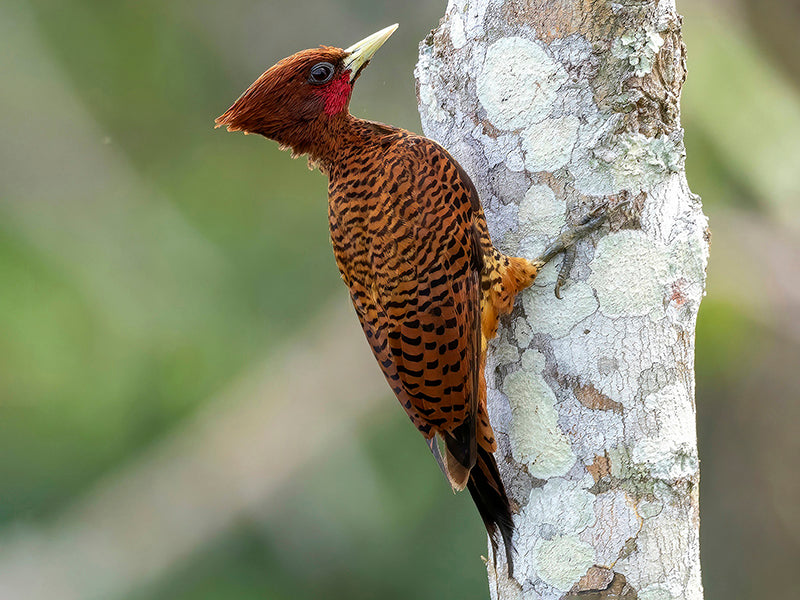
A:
(460, 453)
(490, 497)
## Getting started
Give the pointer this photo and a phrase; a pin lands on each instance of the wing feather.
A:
(419, 306)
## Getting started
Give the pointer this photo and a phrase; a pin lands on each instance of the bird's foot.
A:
(566, 241)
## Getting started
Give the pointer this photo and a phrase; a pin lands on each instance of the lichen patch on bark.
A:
(509, 62)
(557, 317)
(630, 274)
(548, 147)
(541, 216)
(536, 439)
(560, 562)
(560, 507)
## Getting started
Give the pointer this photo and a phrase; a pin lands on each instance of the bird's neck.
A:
(337, 139)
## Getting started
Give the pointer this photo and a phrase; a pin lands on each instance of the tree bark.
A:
(555, 107)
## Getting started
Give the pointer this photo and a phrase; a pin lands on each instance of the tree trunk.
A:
(555, 107)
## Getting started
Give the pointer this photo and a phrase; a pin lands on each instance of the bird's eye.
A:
(321, 73)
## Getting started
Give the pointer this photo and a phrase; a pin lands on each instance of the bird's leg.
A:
(568, 239)
(566, 242)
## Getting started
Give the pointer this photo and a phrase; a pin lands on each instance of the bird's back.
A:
(412, 244)
(402, 238)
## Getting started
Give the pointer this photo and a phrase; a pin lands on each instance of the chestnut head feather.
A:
(301, 101)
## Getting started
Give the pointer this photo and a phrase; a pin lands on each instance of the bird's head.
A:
(295, 101)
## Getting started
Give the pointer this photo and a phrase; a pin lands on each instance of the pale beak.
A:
(357, 56)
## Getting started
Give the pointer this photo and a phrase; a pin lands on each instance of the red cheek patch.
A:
(336, 94)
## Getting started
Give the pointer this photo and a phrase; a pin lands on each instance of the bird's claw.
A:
(566, 266)
(566, 241)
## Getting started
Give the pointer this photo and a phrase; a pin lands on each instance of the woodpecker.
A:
(411, 242)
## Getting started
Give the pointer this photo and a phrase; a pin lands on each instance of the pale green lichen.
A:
(638, 49)
(503, 352)
(635, 155)
(620, 458)
(541, 216)
(637, 161)
(634, 478)
(548, 146)
(630, 273)
(536, 438)
(518, 82)
(669, 448)
(628, 161)
(523, 332)
(557, 317)
(562, 507)
(562, 561)
(690, 257)
(648, 509)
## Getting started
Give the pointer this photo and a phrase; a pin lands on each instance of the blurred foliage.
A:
(138, 280)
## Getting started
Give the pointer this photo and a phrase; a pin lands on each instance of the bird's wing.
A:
(420, 306)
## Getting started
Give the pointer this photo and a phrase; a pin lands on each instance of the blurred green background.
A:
(148, 263)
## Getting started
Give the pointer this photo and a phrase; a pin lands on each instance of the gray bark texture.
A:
(555, 107)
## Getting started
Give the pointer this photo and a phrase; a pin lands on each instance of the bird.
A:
(412, 244)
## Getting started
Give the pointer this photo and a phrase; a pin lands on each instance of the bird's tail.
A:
(490, 497)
